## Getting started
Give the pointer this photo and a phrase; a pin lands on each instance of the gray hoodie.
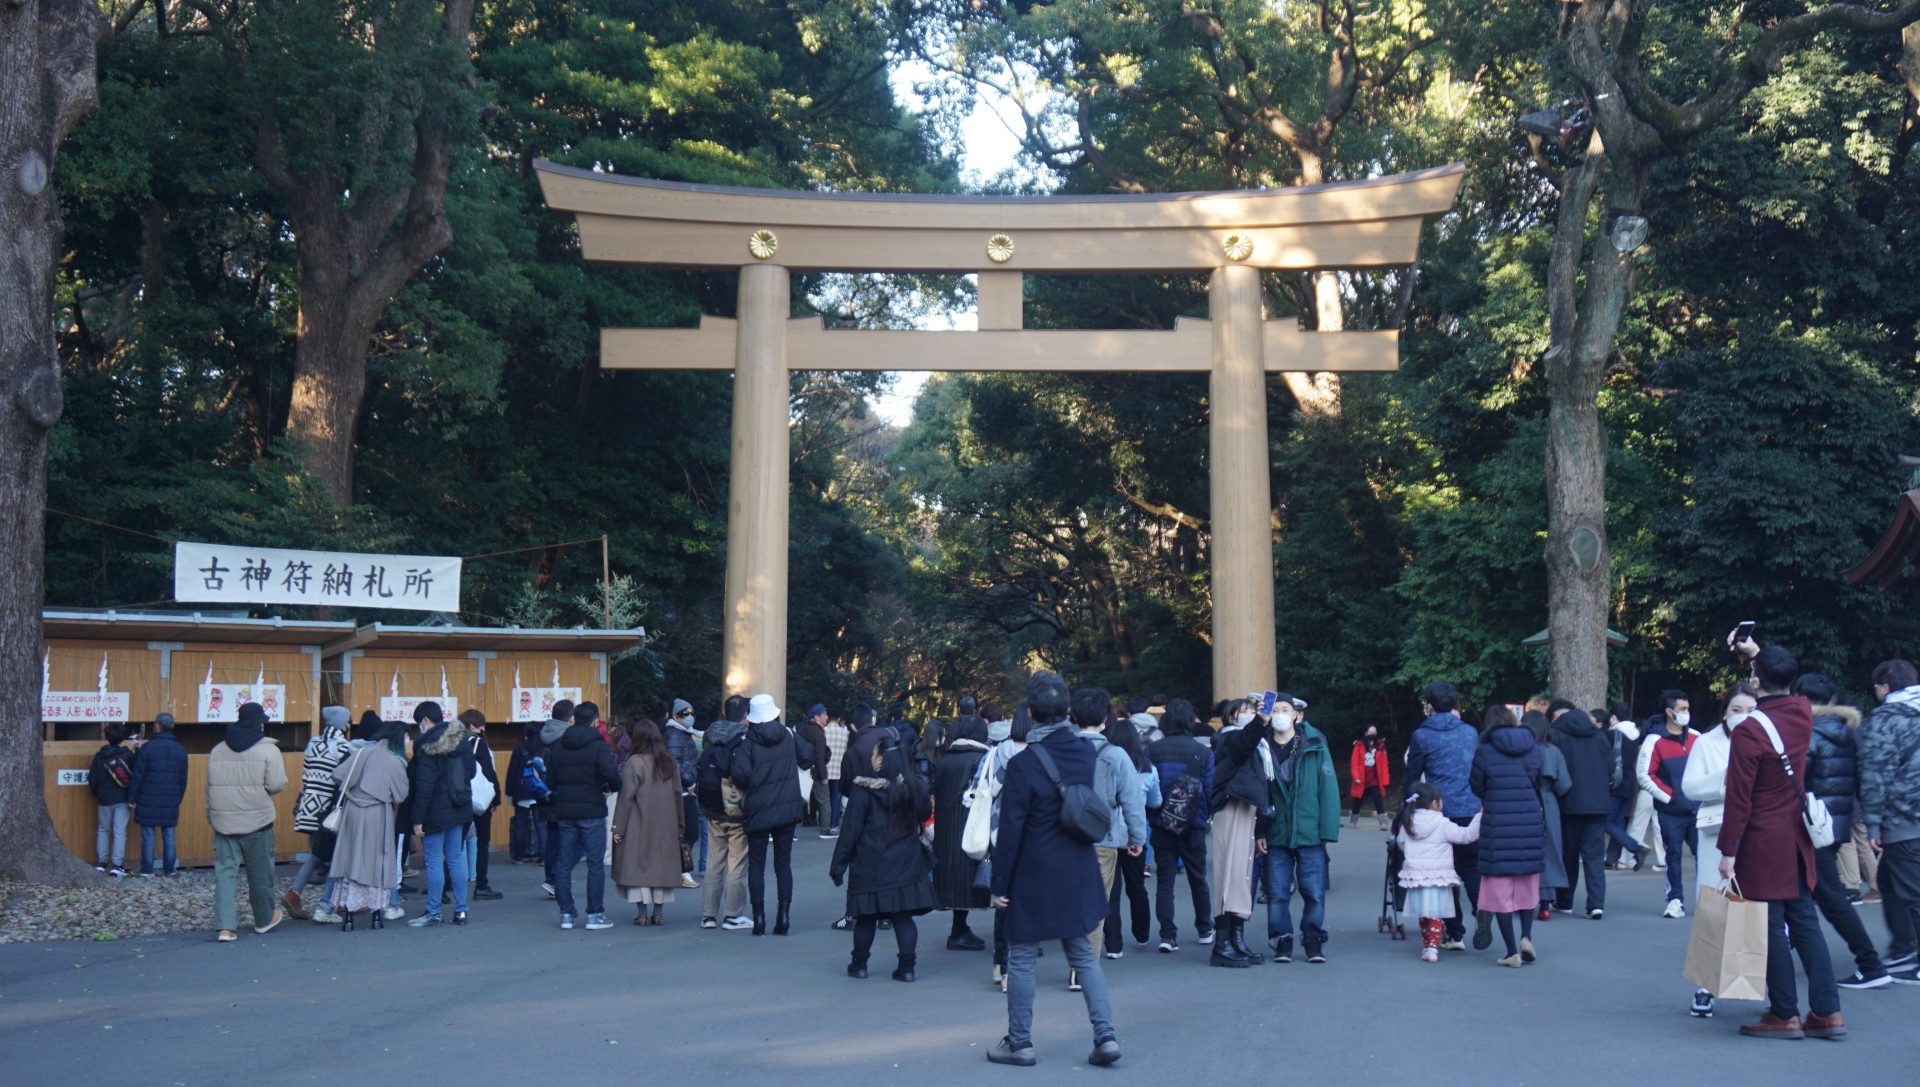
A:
(550, 732)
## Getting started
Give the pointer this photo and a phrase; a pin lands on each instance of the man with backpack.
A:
(108, 780)
(525, 833)
(1179, 825)
(159, 784)
(723, 897)
(441, 799)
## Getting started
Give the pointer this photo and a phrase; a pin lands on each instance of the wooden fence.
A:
(76, 816)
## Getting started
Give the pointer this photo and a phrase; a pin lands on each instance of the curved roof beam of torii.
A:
(1350, 224)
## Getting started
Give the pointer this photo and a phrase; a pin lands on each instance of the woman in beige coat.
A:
(373, 780)
(647, 824)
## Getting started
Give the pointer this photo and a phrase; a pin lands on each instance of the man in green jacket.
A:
(1306, 816)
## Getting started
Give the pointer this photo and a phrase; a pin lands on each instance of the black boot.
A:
(1239, 924)
(759, 919)
(904, 972)
(1225, 953)
(346, 923)
(781, 922)
(858, 967)
(965, 939)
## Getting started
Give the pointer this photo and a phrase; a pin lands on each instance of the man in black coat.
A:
(480, 842)
(1591, 767)
(441, 799)
(581, 773)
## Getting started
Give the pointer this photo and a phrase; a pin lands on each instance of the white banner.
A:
(83, 705)
(226, 574)
(536, 703)
(399, 707)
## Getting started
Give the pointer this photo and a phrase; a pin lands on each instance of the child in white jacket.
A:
(1427, 838)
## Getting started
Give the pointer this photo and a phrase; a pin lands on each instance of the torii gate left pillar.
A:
(1230, 236)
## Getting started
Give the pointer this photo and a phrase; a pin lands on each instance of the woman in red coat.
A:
(1370, 776)
(1767, 853)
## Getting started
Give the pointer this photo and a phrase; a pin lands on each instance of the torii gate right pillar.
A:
(1240, 487)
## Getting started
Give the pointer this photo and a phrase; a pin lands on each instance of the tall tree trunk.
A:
(46, 85)
(1579, 563)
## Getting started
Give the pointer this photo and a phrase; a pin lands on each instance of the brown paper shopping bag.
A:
(1727, 953)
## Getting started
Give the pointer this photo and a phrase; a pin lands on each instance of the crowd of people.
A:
(1055, 817)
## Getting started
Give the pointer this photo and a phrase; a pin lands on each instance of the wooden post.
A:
(755, 639)
(1242, 544)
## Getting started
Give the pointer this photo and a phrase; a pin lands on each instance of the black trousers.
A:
(782, 840)
(1583, 840)
(482, 844)
(1466, 864)
(1190, 850)
(1130, 878)
(1831, 897)
(1372, 793)
(525, 835)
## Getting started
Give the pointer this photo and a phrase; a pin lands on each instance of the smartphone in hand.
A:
(1741, 633)
(1266, 703)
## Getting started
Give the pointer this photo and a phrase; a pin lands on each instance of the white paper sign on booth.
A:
(95, 705)
(536, 703)
(222, 701)
(395, 706)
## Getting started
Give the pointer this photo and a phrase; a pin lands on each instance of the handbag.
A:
(331, 821)
(1813, 810)
(1084, 815)
(480, 791)
(976, 835)
(983, 878)
(686, 857)
(1727, 949)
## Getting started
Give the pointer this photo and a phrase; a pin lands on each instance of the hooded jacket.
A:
(243, 773)
(1506, 777)
(1442, 752)
(543, 748)
(1833, 764)
(100, 782)
(1378, 776)
(1890, 768)
(1427, 848)
(1306, 811)
(766, 767)
(873, 854)
(723, 739)
(440, 779)
(1175, 756)
(1118, 783)
(159, 781)
(581, 773)
(324, 752)
(683, 746)
(1590, 764)
(1238, 772)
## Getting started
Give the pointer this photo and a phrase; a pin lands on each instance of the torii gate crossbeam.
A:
(1231, 236)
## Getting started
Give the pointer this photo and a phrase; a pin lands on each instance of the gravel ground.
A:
(114, 910)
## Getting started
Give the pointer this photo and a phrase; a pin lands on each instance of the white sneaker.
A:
(1595, 915)
(1116, 954)
(566, 920)
(597, 922)
(737, 924)
(1675, 909)
(687, 881)
(547, 889)
(1207, 939)
(393, 913)
(324, 917)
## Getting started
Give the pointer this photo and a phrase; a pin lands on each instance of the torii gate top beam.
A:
(1351, 224)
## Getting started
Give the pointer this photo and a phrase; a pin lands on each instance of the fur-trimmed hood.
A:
(442, 739)
(1847, 714)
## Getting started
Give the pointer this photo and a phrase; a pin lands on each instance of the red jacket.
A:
(1364, 777)
(1762, 830)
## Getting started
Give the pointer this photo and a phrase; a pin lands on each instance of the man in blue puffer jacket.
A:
(159, 781)
(1441, 752)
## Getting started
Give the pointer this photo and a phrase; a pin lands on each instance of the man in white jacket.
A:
(1706, 783)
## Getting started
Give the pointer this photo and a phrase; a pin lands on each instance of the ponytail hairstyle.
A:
(1422, 795)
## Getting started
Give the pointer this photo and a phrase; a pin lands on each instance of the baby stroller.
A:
(1393, 897)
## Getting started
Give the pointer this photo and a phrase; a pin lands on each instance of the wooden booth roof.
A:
(194, 627)
(1894, 559)
(495, 639)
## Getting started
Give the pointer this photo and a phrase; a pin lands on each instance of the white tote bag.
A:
(977, 836)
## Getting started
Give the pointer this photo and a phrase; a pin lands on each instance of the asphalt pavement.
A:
(512, 999)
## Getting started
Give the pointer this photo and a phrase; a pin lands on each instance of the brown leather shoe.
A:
(1772, 1026)
(1826, 1026)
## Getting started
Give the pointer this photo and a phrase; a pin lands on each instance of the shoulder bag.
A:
(1813, 810)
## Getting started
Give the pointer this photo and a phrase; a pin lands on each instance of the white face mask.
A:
(1245, 718)
(1682, 718)
(1283, 724)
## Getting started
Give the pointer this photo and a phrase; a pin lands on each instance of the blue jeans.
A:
(441, 855)
(1677, 835)
(588, 838)
(834, 797)
(1306, 868)
(1093, 983)
(550, 851)
(146, 849)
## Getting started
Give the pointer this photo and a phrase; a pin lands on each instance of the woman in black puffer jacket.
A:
(1833, 775)
(767, 769)
(1506, 778)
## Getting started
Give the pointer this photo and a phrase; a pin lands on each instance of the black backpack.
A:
(710, 778)
(1084, 814)
(1179, 806)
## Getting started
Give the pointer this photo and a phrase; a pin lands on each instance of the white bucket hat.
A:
(762, 709)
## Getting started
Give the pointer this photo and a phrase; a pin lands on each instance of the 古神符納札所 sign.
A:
(233, 574)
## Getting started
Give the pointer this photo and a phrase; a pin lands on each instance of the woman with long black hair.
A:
(879, 851)
(954, 772)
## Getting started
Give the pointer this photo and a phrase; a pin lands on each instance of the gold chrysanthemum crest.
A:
(762, 244)
(999, 249)
(1238, 246)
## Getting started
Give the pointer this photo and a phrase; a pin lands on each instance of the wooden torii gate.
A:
(1232, 236)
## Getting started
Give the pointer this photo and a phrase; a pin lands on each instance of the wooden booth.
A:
(387, 669)
(200, 667)
(149, 664)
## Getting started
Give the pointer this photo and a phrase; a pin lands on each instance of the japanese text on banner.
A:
(224, 573)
